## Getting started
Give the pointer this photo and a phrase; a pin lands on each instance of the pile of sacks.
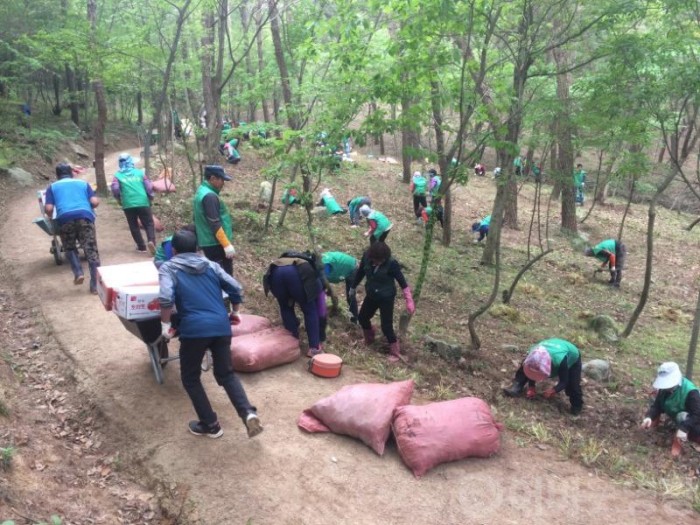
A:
(256, 345)
(426, 435)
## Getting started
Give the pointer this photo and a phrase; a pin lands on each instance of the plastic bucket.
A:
(325, 365)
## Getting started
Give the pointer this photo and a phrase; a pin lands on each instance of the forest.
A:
(530, 89)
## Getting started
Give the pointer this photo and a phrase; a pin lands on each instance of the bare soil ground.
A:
(91, 427)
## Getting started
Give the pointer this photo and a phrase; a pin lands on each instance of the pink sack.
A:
(250, 324)
(307, 421)
(163, 186)
(265, 349)
(432, 434)
(363, 411)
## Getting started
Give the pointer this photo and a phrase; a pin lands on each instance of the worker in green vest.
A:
(332, 206)
(212, 220)
(434, 185)
(379, 225)
(679, 399)
(612, 254)
(579, 183)
(134, 193)
(518, 165)
(419, 190)
(338, 267)
(354, 206)
(164, 251)
(549, 359)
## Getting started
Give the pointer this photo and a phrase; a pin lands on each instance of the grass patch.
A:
(6, 456)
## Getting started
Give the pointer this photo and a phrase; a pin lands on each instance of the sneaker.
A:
(514, 390)
(79, 280)
(253, 425)
(575, 411)
(141, 250)
(200, 429)
(151, 247)
(314, 351)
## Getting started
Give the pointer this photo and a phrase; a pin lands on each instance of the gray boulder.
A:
(445, 350)
(598, 370)
(79, 150)
(20, 176)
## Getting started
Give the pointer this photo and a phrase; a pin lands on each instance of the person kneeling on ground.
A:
(381, 270)
(482, 228)
(332, 206)
(551, 358)
(193, 284)
(294, 279)
(354, 206)
(612, 254)
(679, 399)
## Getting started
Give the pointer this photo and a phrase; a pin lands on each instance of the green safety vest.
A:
(133, 192)
(486, 221)
(607, 245)
(419, 185)
(559, 350)
(383, 223)
(675, 403)
(579, 177)
(518, 162)
(332, 205)
(342, 265)
(205, 237)
(160, 252)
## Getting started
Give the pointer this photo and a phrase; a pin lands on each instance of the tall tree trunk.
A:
(292, 119)
(261, 62)
(693, 346)
(72, 95)
(100, 125)
(650, 253)
(497, 215)
(207, 42)
(250, 72)
(56, 81)
(139, 108)
(565, 157)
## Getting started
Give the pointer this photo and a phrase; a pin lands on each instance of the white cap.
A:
(668, 376)
(365, 210)
(416, 174)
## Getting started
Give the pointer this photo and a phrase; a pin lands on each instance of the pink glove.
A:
(410, 305)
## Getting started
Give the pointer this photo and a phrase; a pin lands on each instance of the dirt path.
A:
(286, 476)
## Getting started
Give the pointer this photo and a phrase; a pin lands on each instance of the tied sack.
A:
(432, 434)
(264, 349)
(362, 411)
(250, 324)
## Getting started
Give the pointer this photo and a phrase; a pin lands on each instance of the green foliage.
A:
(6, 455)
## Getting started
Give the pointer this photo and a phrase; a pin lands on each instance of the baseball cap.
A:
(216, 171)
(667, 376)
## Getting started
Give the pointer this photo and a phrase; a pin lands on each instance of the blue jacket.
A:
(193, 284)
(71, 198)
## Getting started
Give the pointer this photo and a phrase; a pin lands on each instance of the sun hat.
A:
(538, 364)
(667, 376)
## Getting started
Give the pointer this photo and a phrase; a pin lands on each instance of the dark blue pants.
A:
(218, 255)
(288, 289)
(145, 214)
(352, 301)
(191, 355)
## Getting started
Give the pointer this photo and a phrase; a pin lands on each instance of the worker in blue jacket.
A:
(193, 284)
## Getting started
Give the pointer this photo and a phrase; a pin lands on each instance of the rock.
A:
(605, 327)
(510, 348)
(598, 370)
(79, 150)
(443, 349)
(20, 176)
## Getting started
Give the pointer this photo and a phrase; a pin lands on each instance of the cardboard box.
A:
(137, 302)
(117, 276)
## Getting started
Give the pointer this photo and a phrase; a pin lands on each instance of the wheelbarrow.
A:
(149, 331)
(50, 227)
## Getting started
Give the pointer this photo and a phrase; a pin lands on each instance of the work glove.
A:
(530, 393)
(475, 241)
(646, 423)
(612, 269)
(352, 293)
(366, 234)
(166, 331)
(234, 318)
(410, 305)
(230, 251)
(682, 436)
(549, 393)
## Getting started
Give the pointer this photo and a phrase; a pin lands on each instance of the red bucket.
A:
(325, 365)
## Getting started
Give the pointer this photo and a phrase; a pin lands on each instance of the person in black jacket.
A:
(381, 270)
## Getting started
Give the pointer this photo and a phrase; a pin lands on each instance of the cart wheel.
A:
(154, 354)
(56, 251)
